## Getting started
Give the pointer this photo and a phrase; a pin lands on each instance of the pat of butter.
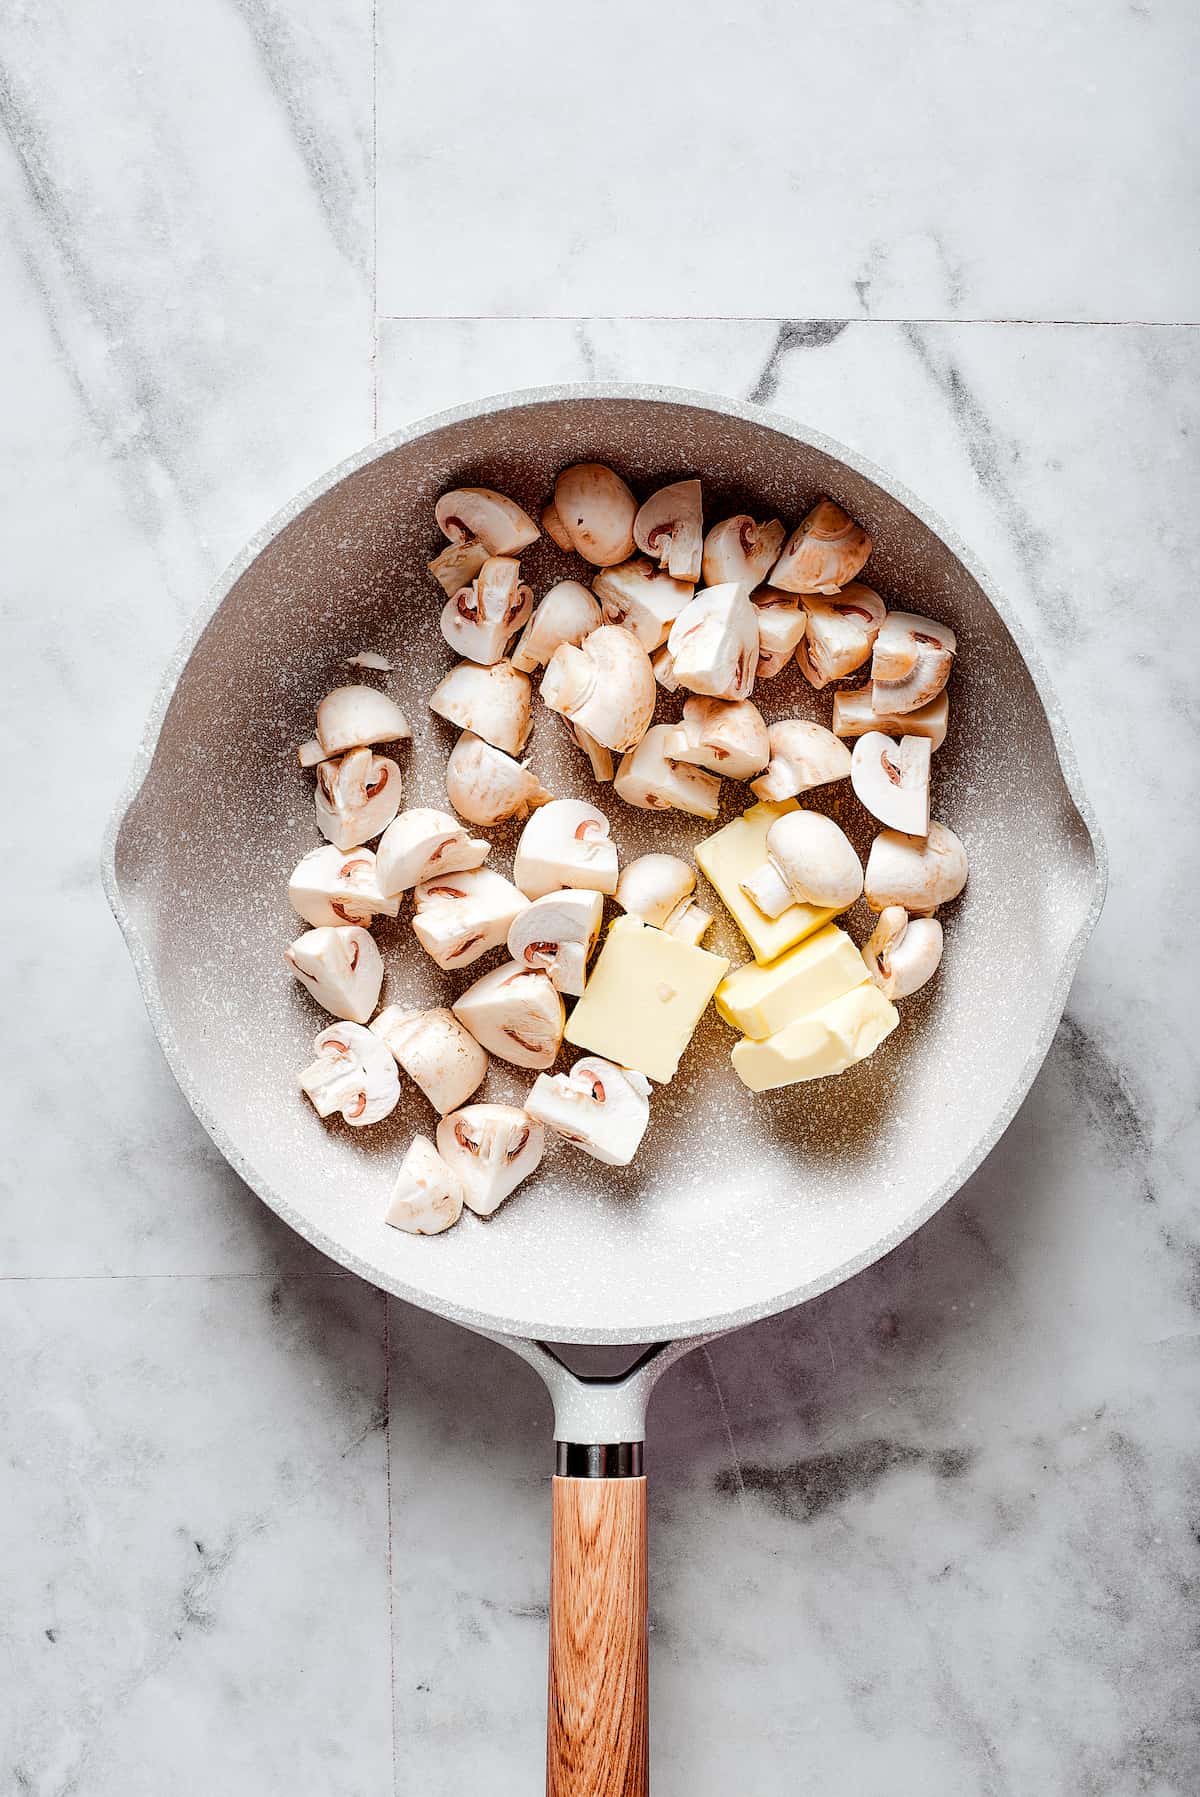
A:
(731, 856)
(842, 1032)
(760, 1000)
(644, 997)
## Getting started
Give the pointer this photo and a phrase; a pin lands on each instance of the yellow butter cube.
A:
(842, 1032)
(731, 856)
(644, 998)
(760, 1000)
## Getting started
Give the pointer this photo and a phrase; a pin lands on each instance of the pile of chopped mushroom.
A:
(662, 607)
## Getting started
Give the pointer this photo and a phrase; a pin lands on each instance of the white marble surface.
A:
(263, 1533)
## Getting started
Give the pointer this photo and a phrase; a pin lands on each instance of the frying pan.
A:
(736, 1207)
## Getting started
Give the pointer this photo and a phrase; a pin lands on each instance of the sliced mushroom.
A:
(428, 1194)
(726, 736)
(714, 643)
(650, 779)
(596, 511)
(353, 1074)
(810, 861)
(824, 552)
(740, 549)
(669, 528)
(643, 598)
(477, 514)
(457, 566)
(478, 620)
(435, 1051)
(493, 702)
(892, 780)
(918, 872)
(353, 717)
(340, 967)
(423, 842)
(492, 1148)
(803, 755)
(459, 917)
(566, 843)
(554, 528)
(840, 634)
(658, 889)
(566, 614)
(486, 786)
(663, 663)
(782, 622)
(557, 933)
(902, 953)
(854, 712)
(356, 797)
(368, 658)
(600, 759)
(331, 887)
(606, 685)
(515, 1012)
(600, 1107)
(912, 662)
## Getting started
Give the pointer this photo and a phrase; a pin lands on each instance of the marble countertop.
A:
(264, 1531)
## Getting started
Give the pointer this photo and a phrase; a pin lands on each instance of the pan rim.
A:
(559, 1329)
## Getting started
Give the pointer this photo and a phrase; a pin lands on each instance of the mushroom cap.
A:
(824, 552)
(600, 1107)
(492, 1148)
(645, 599)
(422, 842)
(803, 755)
(554, 528)
(353, 1074)
(565, 843)
(486, 786)
(606, 685)
(840, 633)
(356, 797)
(566, 614)
(477, 513)
(714, 643)
(918, 872)
(335, 886)
(557, 933)
(892, 780)
(478, 620)
(651, 780)
(435, 1051)
(596, 511)
(741, 549)
(654, 886)
(492, 702)
(782, 622)
(340, 967)
(902, 953)
(726, 736)
(428, 1195)
(854, 712)
(912, 661)
(816, 859)
(516, 1013)
(669, 527)
(459, 917)
(457, 565)
(355, 717)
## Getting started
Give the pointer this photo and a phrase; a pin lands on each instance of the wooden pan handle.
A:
(597, 1742)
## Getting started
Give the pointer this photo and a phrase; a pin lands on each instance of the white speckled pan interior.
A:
(736, 1206)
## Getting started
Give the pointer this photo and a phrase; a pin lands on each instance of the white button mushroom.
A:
(803, 755)
(423, 842)
(554, 528)
(428, 1195)
(478, 620)
(566, 614)
(658, 889)
(492, 702)
(486, 786)
(810, 861)
(643, 598)
(782, 622)
(740, 549)
(340, 967)
(516, 1013)
(892, 780)
(457, 565)
(435, 1051)
(855, 712)
(912, 661)
(903, 953)
(600, 1107)
(368, 658)
(726, 736)
(595, 511)
(714, 643)
(356, 797)
(353, 717)
(663, 663)
(918, 872)
(477, 514)
(557, 933)
(459, 917)
(353, 1073)
(600, 759)
(492, 1148)
(329, 886)
(606, 685)
(669, 527)
(840, 634)
(565, 843)
(650, 779)
(824, 552)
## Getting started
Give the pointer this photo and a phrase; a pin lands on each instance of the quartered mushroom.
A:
(566, 614)
(902, 953)
(726, 736)
(658, 889)
(353, 1074)
(714, 643)
(810, 861)
(353, 717)
(594, 510)
(428, 1194)
(803, 755)
(423, 842)
(663, 663)
(555, 529)
(824, 552)
(486, 786)
(478, 620)
(492, 1148)
(457, 565)
(669, 528)
(565, 843)
(741, 549)
(516, 1013)
(600, 1107)
(435, 1051)
(331, 886)
(840, 634)
(782, 622)
(600, 759)
(459, 917)
(918, 872)
(339, 966)
(911, 663)
(650, 779)
(606, 684)
(493, 702)
(854, 712)
(557, 933)
(356, 797)
(645, 599)
(478, 523)
(892, 780)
